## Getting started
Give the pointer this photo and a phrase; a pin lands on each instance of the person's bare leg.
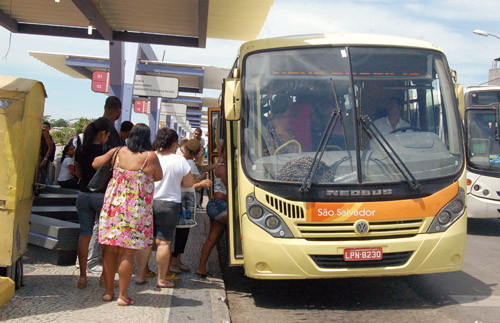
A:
(142, 259)
(109, 261)
(216, 230)
(125, 269)
(83, 252)
(163, 259)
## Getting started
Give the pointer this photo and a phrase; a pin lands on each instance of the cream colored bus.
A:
(325, 178)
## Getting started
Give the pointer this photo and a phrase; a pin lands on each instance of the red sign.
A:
(141, 106)
(100, 82)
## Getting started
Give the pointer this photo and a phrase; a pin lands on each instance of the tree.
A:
(59, 123)
(81, 123)
(63, 135)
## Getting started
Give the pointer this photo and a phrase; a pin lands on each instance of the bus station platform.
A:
(50, 294)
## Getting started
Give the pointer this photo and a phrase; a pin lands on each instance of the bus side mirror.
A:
(459, 93)
(232, 99)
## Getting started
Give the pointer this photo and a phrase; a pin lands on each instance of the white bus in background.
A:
(482, 126)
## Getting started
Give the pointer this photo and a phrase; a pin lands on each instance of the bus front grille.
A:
(284, 208)
(337, 261)
(342, 231)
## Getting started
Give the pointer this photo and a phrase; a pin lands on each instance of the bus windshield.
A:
(483, 145)
(362, 114)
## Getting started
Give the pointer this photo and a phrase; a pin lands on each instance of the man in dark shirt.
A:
(46, 153)
(112, 111)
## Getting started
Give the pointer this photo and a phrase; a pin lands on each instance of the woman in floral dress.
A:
(126, 222)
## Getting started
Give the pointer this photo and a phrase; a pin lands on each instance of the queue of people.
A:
(151, 187)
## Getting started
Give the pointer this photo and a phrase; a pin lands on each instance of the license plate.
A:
(362, 254)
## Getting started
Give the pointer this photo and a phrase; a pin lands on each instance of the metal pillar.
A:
(123, 59)
(154, 116)
(168, 121)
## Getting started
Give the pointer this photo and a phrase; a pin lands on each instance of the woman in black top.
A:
(89, 204)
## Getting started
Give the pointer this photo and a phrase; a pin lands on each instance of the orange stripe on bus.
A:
(381, 210)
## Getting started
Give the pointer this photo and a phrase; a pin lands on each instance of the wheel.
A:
(404, 129)
(288, 143)
(18, 272)
(333, 147)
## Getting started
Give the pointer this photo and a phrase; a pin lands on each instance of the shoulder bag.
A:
(103, 174)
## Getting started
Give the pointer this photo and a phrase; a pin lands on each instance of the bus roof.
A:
(334, 39)
(479, 88)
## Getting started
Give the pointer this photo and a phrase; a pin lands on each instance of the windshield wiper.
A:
(332, 122)
(393, 155)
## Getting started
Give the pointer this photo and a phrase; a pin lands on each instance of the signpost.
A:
(141, 106)
(165, 87)
(100, 82)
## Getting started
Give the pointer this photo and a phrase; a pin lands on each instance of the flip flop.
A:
(108, 297)
(151, 274)
(206, 275)
(125, 302)
(172, 276)
(167, 285)
(183, 267)
(141, 282)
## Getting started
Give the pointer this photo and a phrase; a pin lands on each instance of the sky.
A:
(446, 23)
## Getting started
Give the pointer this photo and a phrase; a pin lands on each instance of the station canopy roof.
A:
(192, 78)
(166, 22)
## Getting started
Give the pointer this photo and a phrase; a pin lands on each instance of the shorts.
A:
(88, 207)
(216, 209)
(165, 217)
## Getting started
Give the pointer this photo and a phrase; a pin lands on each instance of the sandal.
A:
(172, 276)
(108, 297)
(125, 302)
(81, 284)
(167, 285)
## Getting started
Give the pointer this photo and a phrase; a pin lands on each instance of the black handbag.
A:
(101, 178)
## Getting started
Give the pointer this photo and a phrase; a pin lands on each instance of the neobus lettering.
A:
(341, 212)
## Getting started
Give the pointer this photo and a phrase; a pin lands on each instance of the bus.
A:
(317, 186)
(481, 121)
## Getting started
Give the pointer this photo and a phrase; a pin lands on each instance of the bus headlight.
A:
(444, 217)
(272, 222)
(266, 219)
(450, 213)
(255, 211)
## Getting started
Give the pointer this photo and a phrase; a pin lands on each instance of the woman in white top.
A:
(67, 176)
(190, 151)
(166, 204)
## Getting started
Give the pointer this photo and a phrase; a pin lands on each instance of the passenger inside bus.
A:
(393, 120)
(279, 134)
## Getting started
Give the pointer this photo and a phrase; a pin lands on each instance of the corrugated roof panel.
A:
(237, 19)
(179, 17)
(64, 13)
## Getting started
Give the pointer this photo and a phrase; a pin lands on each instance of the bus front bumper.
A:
(482, 208)
(266, 257)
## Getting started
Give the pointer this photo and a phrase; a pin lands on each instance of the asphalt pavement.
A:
(49, 293)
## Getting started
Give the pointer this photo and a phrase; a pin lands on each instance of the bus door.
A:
(213, 138)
